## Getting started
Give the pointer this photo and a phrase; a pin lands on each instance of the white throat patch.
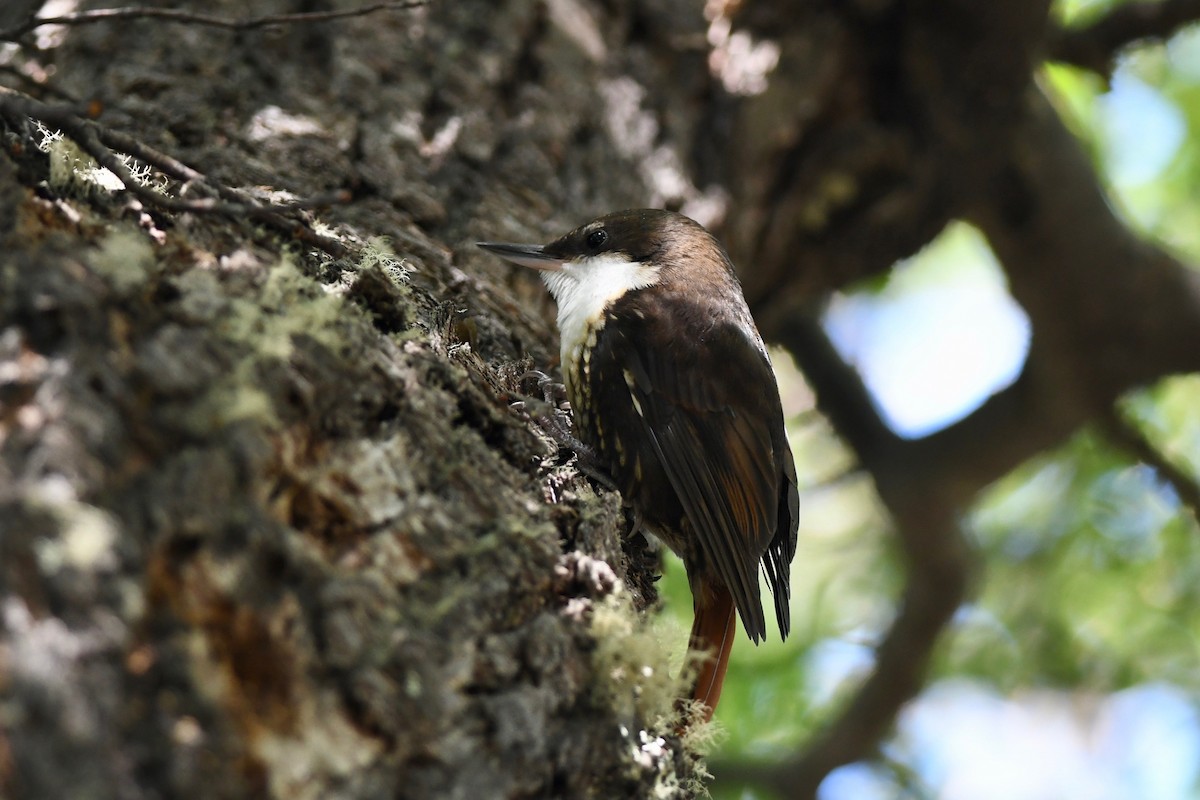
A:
(584, 288)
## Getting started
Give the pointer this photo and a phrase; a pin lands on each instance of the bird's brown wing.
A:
(727, 461)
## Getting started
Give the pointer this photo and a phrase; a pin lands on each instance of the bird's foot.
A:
(552, 416)
(552, 392)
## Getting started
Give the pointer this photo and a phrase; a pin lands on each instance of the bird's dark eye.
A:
(596, 239)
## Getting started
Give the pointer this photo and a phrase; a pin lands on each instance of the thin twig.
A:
(33, 83)
(103, 145)
(188, 17)
(166, 164)
(1095, 45)
(174, 168)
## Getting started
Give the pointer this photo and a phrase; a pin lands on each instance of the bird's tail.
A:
(712, 637)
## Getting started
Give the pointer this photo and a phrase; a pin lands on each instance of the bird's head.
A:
(590, 268)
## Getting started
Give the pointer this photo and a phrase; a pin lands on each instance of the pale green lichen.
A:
(289, 304)
(641, 676)
(378, 253)
(125, 259)
(232, 400)
(264, 327)
(632, 664)
(87, 534)
(72, 171)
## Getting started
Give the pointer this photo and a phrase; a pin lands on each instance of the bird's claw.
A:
(552, 392)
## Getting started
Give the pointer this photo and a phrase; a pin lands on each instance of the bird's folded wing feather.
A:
(718, 455)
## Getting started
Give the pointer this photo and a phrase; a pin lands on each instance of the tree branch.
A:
(1127, 436)
(1085, 280)
(936, 586)
(1095, 46)
(938, 564)
(14, 33)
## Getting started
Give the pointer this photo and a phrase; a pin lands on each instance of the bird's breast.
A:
(576, 355)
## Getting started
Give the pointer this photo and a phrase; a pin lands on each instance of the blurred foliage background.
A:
(1072, 671)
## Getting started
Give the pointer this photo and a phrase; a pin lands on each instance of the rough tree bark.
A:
(268, 522)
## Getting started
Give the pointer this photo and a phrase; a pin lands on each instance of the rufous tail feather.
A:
(713, 633)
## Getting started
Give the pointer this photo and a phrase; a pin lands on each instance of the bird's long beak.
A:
(527, 255)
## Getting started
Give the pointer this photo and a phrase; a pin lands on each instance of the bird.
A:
(671, 388)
